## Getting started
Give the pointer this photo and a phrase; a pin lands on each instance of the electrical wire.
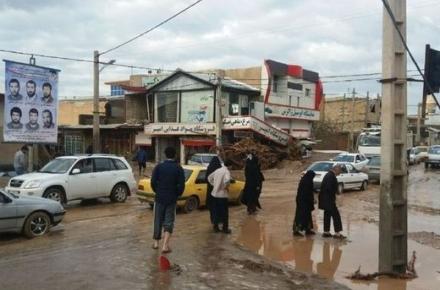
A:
(402, 38)
(152, 28)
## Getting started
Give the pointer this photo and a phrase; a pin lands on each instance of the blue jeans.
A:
(164, 216)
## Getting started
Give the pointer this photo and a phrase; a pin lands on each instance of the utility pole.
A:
(367, 109)
(96, 133)
(353, 95)
(343, 113)
(393, 228)
(218, 113)
(419, 117)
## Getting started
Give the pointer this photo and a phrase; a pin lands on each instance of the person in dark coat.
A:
(214, 164)
(168, 182)
(260, 186)
(252, 184)
(305, 204)
(141, 158)
(327, 202)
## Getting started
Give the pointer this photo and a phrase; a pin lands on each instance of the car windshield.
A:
(344, 158)
(369, 140)
(374, 161)
(58, 166)
(434, 150)
(422, 149)
(207, 159)
(187, 173)
(321, 166)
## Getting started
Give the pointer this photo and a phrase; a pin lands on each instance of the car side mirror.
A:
(76, 171)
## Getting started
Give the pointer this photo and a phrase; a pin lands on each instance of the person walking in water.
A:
(327, 202)
(305, 204)
(168, 182)
(214, 164)
(252, 184)
(220, 180)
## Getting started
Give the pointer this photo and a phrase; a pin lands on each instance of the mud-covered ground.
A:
(101, 245)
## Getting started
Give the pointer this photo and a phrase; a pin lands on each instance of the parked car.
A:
(358, 160)
(194, 195)
(201, 159)
(77, 178)
(32, 216)
(433, 156)
(411, 156)
(349, 178)
(373, 168)
(421, 153)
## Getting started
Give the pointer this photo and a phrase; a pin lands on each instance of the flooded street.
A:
(101, 245)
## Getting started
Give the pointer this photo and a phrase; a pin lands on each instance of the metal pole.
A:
(353, 95)
(425, 88)
(96, 135)
(218, 113)
(393, 228)
(419, 117)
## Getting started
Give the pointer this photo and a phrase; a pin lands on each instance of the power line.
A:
(402, 38)
(152, 28)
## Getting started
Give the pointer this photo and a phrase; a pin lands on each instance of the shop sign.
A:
(291, 112)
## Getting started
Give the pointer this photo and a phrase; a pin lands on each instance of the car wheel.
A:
(37, 224)
(192, 203)
(340, 188)
(56, 194)
(119, 193)
(364, 185)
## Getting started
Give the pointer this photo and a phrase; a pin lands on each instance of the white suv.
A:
(78, 177)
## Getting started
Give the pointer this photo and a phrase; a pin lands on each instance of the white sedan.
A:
(358, 160)
(349, 178)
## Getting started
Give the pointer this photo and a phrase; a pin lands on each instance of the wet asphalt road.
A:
(101, 245)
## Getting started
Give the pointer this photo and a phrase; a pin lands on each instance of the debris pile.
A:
(268, 155)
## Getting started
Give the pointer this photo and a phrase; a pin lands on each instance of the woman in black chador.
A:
(304, 205)
(252, 186)
(213, 166)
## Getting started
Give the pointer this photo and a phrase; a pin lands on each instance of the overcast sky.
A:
(340, 37)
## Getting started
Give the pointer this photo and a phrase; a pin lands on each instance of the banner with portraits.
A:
(31, 103)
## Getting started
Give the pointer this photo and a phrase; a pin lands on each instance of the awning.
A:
(198, 142)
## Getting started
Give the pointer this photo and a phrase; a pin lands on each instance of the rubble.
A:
(269, 155)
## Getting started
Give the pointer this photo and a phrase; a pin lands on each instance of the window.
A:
(119, 164)
(116, 90)
(187, 174)
(73, 144)
(344, 169)
(276, 80)
(2, 198)
(103, 164)
(201, 178)
(234, 105)
(167, 107)
(60, 165)
(197, 107)
(84, 165)
(307, 93)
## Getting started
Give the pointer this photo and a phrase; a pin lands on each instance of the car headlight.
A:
(32, 184)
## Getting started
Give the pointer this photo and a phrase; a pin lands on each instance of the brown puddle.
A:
(334, 260)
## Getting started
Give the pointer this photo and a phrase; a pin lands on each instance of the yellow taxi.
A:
(194, 195)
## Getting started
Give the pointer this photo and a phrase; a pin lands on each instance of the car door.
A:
(363, 161)
(8, 213)
(201, 186)
(106, 175)
(82, 184)
(344, 177)
(354, 176)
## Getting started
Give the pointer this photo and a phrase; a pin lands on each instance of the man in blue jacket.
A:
(168, 182)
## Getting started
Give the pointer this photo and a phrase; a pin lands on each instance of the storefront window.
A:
(167, 107)
(234, 104)
(197, 107)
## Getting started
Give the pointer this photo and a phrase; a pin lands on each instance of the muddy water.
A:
(269, 234)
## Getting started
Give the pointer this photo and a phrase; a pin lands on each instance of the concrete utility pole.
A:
(218, 113)
(343, 113)
(419, 117)
(353, 96)
(393, 232)
(96, 135)
(367, 109)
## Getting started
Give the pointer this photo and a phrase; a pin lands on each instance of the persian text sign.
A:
(291, 112)
(31, 103)
(258, 126)
(179, 129)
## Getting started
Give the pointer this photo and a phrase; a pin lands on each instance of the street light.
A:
(96, 71)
